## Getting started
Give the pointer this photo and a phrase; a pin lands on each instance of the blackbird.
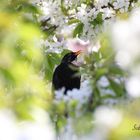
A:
(66, 75)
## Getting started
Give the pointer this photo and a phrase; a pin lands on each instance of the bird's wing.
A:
(58, 77)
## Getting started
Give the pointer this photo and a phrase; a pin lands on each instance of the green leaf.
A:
(100, 72)
(88, 2)
(63, 9)
(116, 87)
(27, 7)
(98, 20)
(108, 96)
(52, 59)
(88, 126)
(7, 76)
(106, 49)
(78, 30)
(116, 70)
(50, 31)
(97, 56)
(71, 21)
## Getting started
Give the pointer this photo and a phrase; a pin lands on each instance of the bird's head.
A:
(70, 57)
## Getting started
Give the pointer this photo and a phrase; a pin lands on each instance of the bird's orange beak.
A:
(77, 53)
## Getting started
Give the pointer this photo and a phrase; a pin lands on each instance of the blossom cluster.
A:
(68, 19)
(82, 96)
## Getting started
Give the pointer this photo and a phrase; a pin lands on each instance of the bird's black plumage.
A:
(67, 74)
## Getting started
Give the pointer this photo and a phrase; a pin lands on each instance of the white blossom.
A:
(133, 86)
(78, 44)
(126, 40)
(11, 129)
(108, 117)
(81, 95)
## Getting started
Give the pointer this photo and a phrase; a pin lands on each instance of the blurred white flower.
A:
(95, 47)
(126, 37)
(100, 3)
(66, 31)
(122, 5)
(108, 117)
(82, 10)
(81, 95)
(35, 131)
(133, 86)
(41, 128)
(103, 82)
(48, 7)
(59, 94)
(107, 13)
(8, 128)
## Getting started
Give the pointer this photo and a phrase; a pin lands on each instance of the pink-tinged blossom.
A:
(78, 45)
